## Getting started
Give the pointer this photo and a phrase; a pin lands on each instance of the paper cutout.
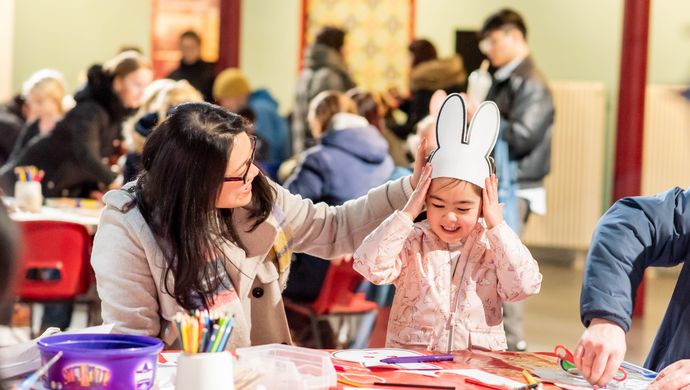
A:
(371, 357)
(465, 152)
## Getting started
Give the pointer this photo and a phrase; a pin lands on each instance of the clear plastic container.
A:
(287, 367)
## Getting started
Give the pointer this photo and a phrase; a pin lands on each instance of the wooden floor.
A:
(553, 317)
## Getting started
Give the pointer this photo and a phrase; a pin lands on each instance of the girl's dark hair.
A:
(184, 161)
(422, 51)
(368, 105)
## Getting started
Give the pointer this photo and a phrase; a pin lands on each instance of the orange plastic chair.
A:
(337, 299)
(54, 262)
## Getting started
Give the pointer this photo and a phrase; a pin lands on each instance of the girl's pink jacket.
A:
(444, 289)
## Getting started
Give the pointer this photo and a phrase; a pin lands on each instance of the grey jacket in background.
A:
(324, 70)
(527, 116)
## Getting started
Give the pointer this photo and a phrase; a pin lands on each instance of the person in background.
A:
(192, 68)
(75, 155)
(231, 90)
(373, 108)
(324, 70)
(8, 243)
(158, 98)
(12, 119)
(428, 73)
(46, 100)
(351, 157)
(527, 113)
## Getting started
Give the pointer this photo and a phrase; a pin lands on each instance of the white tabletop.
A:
(83, 216)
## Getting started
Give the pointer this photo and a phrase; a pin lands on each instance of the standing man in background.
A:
(192, 68)
(524, 100)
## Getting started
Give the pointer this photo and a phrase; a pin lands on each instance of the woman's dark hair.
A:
(422, 51)
(502, 19)
(184, 161)
(332, 37)
(368, 105)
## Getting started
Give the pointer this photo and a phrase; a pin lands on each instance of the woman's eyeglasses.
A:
(243, 178)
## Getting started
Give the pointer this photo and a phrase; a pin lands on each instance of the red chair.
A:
(337, 299)
(54, 262)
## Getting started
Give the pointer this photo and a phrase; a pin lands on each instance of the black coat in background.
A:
(72, 155)
(527, 115)
(10, 127)
(200, 74)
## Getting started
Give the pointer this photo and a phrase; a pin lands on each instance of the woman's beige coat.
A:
(128, 262)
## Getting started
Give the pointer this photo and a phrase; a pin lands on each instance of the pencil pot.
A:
(204, 371)
(28, 195)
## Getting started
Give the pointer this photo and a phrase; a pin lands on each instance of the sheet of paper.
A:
(371, 357)
(26, 357)
(485, 377)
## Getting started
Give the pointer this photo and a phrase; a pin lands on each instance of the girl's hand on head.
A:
(415, 204)
(419, 163)
(491, 209)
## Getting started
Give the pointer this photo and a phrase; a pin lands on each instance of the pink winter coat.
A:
(490, 267)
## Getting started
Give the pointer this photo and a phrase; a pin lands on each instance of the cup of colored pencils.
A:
(204, 363)
(202, 331)
(27, 188)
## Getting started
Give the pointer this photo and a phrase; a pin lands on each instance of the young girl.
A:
(451, 272)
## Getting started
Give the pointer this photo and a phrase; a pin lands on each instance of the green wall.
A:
(269, 46)
(70, 35)
(669, 42)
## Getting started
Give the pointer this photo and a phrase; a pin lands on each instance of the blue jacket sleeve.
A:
(635, 233)
(308, 179)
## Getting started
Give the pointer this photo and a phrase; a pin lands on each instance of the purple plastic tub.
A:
(100, 361)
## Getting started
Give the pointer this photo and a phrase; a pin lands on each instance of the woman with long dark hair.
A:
(202, 227)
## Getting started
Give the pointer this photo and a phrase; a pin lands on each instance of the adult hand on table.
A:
(673, 377)
(600, 351)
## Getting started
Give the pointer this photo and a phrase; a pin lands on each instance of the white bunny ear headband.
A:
(465, 153)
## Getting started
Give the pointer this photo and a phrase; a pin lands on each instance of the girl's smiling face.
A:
(453, 208)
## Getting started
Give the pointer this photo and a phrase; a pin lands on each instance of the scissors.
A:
(567, 362)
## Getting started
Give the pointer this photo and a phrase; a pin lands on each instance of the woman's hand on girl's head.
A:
(416, 203)
(419, 163)
(491, 209)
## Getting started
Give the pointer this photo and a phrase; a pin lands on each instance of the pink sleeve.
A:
(380, 258)
(517, 271)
